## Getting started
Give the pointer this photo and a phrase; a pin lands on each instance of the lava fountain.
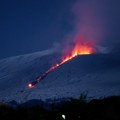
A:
(79, 48)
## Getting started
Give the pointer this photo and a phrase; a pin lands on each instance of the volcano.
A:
(96, 74)
(79, 48)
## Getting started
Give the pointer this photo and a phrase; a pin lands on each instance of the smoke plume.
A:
(94, 22)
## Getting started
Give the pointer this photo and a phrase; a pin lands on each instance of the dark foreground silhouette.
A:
(72, 109)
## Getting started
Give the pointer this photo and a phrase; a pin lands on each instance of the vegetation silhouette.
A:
(72, 109)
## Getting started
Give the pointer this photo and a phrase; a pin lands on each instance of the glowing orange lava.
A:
(78, 49)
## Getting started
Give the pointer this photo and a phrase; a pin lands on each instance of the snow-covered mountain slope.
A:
(97, 74)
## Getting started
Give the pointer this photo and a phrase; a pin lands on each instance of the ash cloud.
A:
(88, 21)
(96, 21)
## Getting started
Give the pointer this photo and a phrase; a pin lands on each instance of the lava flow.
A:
(78, 49)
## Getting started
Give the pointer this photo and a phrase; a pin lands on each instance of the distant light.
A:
(30, 85)
(63, 116)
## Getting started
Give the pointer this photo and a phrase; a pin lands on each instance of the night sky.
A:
(28, 26)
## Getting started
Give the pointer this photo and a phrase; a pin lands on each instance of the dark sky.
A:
(28, 26)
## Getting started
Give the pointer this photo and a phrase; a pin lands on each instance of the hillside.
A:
(96, 74)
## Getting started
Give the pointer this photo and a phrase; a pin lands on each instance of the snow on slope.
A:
(97, 74)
